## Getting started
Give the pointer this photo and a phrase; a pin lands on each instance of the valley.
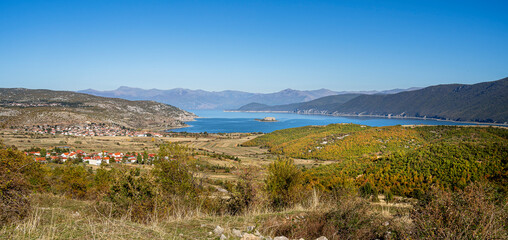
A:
(343, 159)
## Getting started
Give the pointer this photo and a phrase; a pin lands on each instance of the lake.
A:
(228, 122)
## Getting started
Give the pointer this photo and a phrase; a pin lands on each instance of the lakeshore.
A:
(229, 122)
(373, 116)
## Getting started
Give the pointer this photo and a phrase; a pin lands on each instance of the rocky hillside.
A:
(19, 106)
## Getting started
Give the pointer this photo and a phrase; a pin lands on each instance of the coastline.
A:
(376, 116)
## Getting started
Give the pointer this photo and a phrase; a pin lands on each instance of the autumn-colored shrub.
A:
(405, 160)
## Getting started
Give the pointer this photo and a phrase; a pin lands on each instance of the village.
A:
(63, 154)
(88, 129)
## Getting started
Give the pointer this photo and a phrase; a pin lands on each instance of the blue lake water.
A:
(228, 122)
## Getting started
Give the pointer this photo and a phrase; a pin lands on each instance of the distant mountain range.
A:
(22, 107)
(200, 99)
(320, 104)
(482, 102)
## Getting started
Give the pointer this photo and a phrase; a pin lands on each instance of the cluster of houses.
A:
(89, 129)
(92, 158)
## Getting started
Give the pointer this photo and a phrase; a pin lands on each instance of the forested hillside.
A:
(482, 102)
(399, 160)
(320, 104)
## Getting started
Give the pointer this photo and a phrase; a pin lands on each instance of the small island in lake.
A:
(266, 119)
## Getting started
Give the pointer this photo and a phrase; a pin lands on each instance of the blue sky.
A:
(256, 46)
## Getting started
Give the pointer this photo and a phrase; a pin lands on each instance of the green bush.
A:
(389, 196)
(172, 173)
(133, 197)
(175, 179)
(73, 181)
(283, 183)
(14, 187)
(368, 191)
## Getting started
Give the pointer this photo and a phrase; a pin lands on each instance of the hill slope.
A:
(482, 102)
(403, 160)
(317, 105)
(19, 106)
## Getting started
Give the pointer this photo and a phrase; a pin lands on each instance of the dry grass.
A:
(56, 217)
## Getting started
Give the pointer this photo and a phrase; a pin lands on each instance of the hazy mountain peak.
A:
(201, 99)
(287, 90)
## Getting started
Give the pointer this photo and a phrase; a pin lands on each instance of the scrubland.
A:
(448, 183)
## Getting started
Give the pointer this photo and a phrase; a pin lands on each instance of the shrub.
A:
(389, 196)
(243, 194)
(283, 183)
(18, 175)
(471, 213)
(352, 218)
(368, 191)
(73, 181)
(175, 179)
(169, 189)
(176, 184)
(174, 151)
(172, 173)
(102, 182)
(14, 188)
(133, 197)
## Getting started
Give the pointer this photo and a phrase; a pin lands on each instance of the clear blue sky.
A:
(257, 46)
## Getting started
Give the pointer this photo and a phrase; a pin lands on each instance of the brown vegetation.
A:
(472, 213)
